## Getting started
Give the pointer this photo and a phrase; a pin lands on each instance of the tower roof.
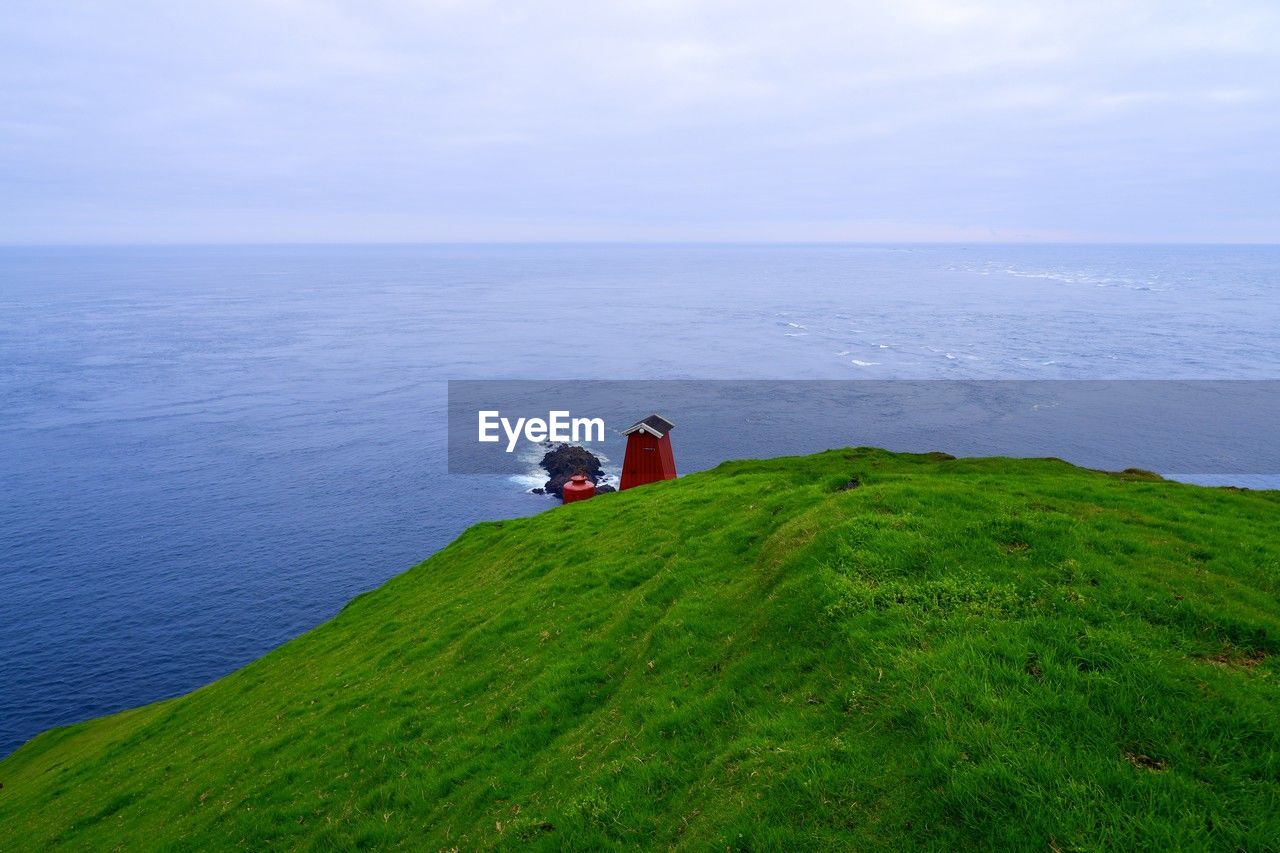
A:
(655, 425)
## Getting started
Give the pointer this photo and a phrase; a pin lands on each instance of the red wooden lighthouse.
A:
(649, 457)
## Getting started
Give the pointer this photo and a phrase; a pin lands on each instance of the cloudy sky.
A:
(420, 120)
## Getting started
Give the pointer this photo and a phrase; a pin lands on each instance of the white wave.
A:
(863, 363)
(529, 481)
(1084, 277)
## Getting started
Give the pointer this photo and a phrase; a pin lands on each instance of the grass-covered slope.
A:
(956, 653)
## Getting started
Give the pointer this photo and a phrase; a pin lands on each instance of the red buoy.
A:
(649, 457)
(579, 488)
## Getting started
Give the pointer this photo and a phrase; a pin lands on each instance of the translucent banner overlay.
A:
(1187, 427)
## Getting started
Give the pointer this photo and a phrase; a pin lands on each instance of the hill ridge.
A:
(960, 653)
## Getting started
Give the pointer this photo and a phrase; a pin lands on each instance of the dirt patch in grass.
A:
(1233, 658)
(1138, 474)
(1143, 761)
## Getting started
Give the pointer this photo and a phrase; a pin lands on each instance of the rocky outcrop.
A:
(565, 460)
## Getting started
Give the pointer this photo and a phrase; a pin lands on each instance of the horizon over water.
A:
(206, 450)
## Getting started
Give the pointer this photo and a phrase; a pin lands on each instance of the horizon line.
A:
(144, 244)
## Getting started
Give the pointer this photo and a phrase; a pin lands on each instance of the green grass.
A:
(979, 653)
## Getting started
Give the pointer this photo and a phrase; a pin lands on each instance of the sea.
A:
(205, 451)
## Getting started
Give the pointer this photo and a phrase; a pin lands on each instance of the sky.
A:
(808, 120)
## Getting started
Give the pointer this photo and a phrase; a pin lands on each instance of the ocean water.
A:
(206, 451)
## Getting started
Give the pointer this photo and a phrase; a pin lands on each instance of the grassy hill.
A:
(956, 653)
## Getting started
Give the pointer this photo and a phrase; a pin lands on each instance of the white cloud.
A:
(914, 117)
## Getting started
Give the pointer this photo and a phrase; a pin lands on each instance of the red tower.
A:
(649, 457)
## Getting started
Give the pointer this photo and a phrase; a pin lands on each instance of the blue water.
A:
(205, 451)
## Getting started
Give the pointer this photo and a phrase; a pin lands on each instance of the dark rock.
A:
(604, 490)
(538, 491)
(565, 461)
(853, 483)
